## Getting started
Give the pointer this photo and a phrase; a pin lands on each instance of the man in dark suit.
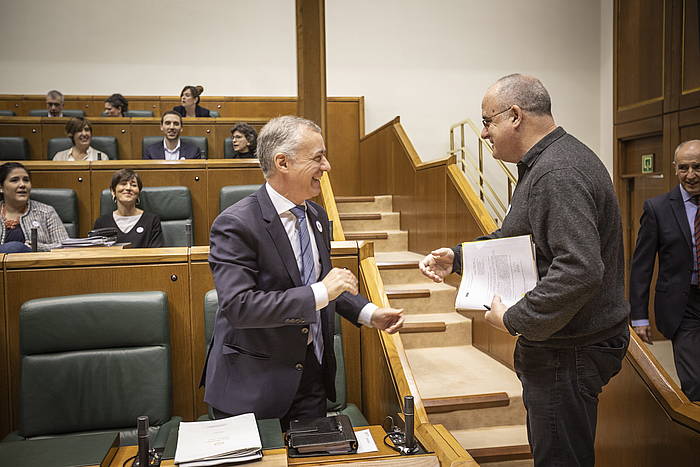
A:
(670, 227)
(172, 148)
(272, 349)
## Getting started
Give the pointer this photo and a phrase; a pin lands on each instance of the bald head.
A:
(527, 92)
(691, 146)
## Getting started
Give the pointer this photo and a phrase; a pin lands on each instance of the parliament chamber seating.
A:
(173, 204)
(228, 148)
(139, 113)
(66, 113)
(341, 405)
(94, 363)
(64, 201)
(199, 141)
(214, 114)
(106, 144)
(14, 148)
(230, 195)
(7, 113)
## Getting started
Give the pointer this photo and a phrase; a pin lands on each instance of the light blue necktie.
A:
(307, 273)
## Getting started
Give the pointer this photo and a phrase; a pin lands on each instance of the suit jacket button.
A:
(299, 366)
(304, 330)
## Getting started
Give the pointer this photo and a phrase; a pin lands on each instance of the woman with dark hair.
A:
(116, 105)
(141, 229)
(244, 140)
(79, 131)
(19, 214)
(189, 97)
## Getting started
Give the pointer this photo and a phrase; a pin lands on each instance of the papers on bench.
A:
(213, 442)
(504, 266)
(88, 242)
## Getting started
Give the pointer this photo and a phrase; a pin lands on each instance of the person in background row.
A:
(116, 105)
(19, 214)
(189, 97)
(79, 131)
(172, 148)
(54, 103)
(244, 140)
(141, 229)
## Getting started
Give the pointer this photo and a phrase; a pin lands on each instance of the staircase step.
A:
(436, 329)
(357, 222)
(362, 204)
(389, 240)
(399, 293)
(398, 267)
(441, 298)
(470, 402)
(495, 444)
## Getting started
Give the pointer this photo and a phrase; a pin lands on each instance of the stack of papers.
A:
(87, 242)
(504, 266)
(214, 442)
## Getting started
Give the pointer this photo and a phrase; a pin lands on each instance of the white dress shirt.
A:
(282, 206)
(172, 155)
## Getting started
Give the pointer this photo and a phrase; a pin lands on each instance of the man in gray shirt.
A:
(573, 324)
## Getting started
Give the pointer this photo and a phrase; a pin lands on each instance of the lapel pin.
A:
(318, 226)
(139, 229)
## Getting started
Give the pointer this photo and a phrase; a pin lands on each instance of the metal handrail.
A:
(473, 167)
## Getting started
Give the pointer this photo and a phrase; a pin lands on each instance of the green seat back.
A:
(230, 195)
(64, 201)
(106, 144)
(14, 148)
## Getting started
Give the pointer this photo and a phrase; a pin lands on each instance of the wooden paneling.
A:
(640, 46)
(689, 125)
(139, 129)
(430, 210)
(151, 103)
(25, 127)
(118, 128)
(202, 127)
(343, 143)
(101, 279)
(5, 403)
(494, 342)
(690, 57)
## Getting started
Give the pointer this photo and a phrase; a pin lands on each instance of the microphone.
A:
(409, 420)
(188, 233)
(143, 441)
(35, 240)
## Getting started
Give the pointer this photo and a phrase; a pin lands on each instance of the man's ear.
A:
(281, 162)
(517, 116)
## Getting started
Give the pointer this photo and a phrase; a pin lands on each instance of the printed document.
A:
(504, 266)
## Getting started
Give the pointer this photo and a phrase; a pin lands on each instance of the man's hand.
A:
(338, 281)
(437, 264)
(644, 333)
(494, 316)
(387, 319)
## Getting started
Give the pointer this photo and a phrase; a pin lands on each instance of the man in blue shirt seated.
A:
(172, 148)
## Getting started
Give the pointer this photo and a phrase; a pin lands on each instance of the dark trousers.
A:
(686, 347)
(560, 392)
(310, 398)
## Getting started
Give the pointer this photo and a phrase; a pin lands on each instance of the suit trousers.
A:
(560, 393)
(686, 347)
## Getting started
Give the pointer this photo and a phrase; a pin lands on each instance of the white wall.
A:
(428, 62)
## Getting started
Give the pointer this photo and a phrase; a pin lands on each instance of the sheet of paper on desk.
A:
(504, 266)
(365, 443)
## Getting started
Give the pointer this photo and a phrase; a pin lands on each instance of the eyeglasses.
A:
(488, 120)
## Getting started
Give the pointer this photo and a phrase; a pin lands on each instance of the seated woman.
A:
(116, 105)
(79, 131)
(244, 140)
(190, 103)
(20, 214)
(134, 226)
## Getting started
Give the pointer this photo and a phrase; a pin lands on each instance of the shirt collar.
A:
(280, 203)
(533, 154)
(177, 148)
(686, 196)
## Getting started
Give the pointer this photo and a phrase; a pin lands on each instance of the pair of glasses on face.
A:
(487, 121)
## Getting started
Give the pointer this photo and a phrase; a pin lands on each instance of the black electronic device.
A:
(188, 233)
(321, 436)
(144, 441)
(410, 442)
(35, 240)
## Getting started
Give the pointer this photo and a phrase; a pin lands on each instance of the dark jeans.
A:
(560, 392)
(310, 398)
(14, 247)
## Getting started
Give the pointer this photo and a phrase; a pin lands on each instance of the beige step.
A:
(496, 443)
(440, 300)
(399, 267)
(458, 331)
(347, 204)
(357, 222)
(511, 414)
(389, 240)
(518, 463)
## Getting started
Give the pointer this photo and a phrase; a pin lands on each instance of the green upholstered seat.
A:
(106, 144)
(173, 204)
(93, 364)
(14, 148)
(66, 113)
(199, 141)
(341, 404)
(230, 195)
(64, 201)
(7, 113)
(214, 114)
(139, 113)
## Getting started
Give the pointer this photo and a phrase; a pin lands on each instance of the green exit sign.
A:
(647, 163)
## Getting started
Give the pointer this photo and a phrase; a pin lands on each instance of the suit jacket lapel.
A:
(323, 253)
(678, 208)
(278, 235)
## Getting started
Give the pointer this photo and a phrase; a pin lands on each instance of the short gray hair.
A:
(53, 94)
(527, 92)
(281, 135)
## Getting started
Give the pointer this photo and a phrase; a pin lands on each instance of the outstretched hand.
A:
(387, 319)
(438, 264)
